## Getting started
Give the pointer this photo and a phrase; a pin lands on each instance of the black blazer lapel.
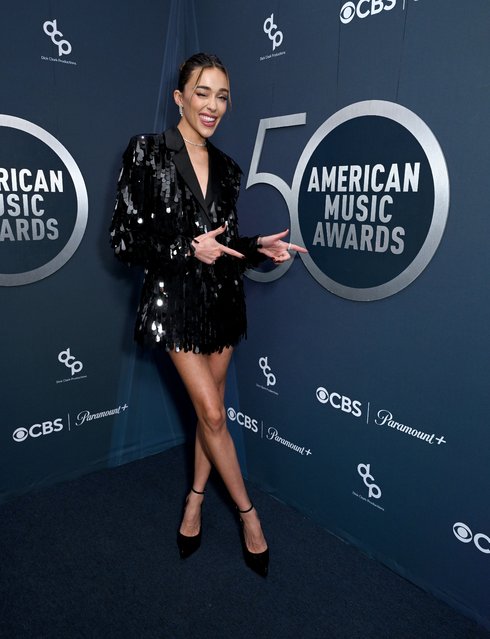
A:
(216, 173)
(175, 142)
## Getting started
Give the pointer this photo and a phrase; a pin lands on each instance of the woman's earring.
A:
(181, 110)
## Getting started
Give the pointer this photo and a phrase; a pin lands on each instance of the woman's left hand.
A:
(274, 247)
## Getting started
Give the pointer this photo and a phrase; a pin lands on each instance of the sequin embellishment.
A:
(185, 304)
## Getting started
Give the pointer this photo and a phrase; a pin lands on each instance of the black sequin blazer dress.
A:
(185, 304)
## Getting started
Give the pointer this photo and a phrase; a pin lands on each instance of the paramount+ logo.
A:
(38, 430)
(339, 402)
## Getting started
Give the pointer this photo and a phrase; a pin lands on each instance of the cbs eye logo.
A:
(243, 420)
(463, 533)
(38, 430)
(338, 401)
(364, 8)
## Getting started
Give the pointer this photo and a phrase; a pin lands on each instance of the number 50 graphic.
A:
(351, 255)
(284, 189)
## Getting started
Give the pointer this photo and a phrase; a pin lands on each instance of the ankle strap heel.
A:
(256, 561)
(197, 491)
(189, 545)
(247, 510)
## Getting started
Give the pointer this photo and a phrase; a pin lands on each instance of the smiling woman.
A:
(176, 215)
(202, 98)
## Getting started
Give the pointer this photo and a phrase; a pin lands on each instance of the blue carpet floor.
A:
(96, 558)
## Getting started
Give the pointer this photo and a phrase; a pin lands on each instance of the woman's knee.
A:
(213, 418)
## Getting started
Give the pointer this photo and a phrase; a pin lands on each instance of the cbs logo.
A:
(463, 533)
(37, 430)
(338, 401)
(243, 420)
(364, 8)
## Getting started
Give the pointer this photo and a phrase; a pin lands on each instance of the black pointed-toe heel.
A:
(189, 545)
(256, 561)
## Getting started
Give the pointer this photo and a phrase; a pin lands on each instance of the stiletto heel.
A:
(189, 545)
(256, 561)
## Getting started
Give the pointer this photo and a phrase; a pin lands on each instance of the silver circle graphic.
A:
(231, 414)
(270, 276)
(417, 127)
(28, 277)
(462, 532)
(346, 15)
(20, 434)
(322, 395)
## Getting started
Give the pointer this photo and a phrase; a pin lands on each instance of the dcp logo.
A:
(51, 29)
(337, 401)
(364, 471)
(463, 533)
(243, 420)
(266, 369)
(269, 27)
(66, 358)
(37, 430)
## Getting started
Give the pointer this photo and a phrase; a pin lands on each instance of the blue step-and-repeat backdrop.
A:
(361, 395)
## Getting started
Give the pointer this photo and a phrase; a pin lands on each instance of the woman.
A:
(175, 214)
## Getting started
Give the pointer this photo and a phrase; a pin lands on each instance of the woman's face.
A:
(204, 105)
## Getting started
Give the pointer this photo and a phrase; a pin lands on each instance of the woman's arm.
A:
(142, 233)
(276, 249)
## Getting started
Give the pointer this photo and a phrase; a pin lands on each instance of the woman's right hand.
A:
(207, 249)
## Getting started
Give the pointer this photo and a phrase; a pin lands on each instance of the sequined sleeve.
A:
(248, 247)
(136, 237)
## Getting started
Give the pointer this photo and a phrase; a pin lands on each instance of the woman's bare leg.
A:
(214, 443)
(191, 521)
(218, 365)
